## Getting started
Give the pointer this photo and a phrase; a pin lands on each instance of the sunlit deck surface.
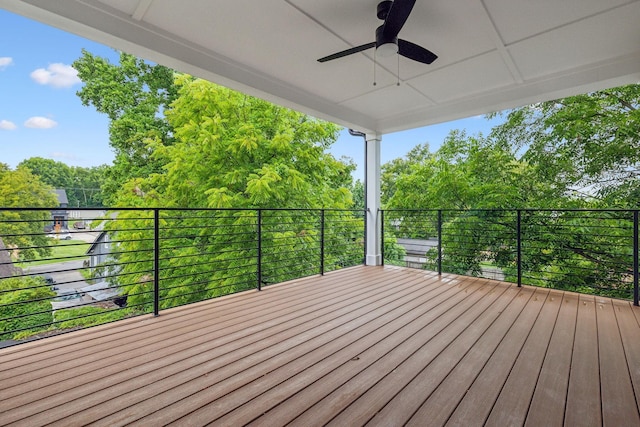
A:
(365, 345)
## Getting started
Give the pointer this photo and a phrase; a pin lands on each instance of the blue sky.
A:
(40, 114)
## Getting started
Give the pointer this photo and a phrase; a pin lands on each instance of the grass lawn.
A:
(74, 249)
(487, 264)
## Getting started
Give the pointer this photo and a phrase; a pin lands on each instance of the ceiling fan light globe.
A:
(386, 50)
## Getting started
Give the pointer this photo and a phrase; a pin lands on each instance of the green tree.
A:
(357, 192)
(233, 151)
(53, 173)
(238, 151)
(555, 155)
(24, 307)
(85, 190)
(392, 170)
(82, 185)
(469, 172)
(134, 95)
(585, 144)
(23, 229)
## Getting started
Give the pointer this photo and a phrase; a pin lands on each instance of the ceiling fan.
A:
(394, 14)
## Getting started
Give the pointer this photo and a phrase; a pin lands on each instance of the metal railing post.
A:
(439, 226)
(635, 257)
(381, 236)
(322, 242)
(364, 241)
(259, 249)
(156, 262)
(519, 246)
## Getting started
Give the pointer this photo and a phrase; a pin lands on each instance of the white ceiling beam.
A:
(141, 9)
(500, 46)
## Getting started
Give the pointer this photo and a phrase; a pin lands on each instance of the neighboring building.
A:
(98, 253)
(416, 250)
(61, 214)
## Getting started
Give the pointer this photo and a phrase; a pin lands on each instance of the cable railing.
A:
(584, 250)
(121, 263)
(126, 262)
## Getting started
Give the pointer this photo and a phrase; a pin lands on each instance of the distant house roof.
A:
(98, 240)
(61, 194)
(417, 246)
(101, 291)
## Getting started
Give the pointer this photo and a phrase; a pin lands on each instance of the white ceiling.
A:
(493, 54)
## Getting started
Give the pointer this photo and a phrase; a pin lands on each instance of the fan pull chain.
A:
(374, 67)
(398, 56)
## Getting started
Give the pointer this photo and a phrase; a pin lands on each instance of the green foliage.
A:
(25, 306)
(231, 151)
(82, 185)
(578, 152)
(84, 317)
(586, 144)
(23, 229)
(394, 254)
(134, 95)
(52, 173)
(470, 172)
(234, 150)
(357, 191)
(396, 168)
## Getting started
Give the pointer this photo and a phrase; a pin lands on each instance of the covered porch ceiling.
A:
(492, 54)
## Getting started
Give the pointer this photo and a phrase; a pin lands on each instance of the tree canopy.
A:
(577, 152)
(23, 228)
(587, 145)
(134, 95)
(82, 185)
(466, 172)
(233, 150)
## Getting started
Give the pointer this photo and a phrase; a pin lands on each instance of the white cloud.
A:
(5, 61)
(40, 123)
(64, 156)
(56, 75)
(7, 125)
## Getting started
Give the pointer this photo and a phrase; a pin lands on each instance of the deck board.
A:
(512, 404)
(293, 355)
(401, 392)
(549, 399)
(476, 405)
(383, 358)
(440, 404)
(628, 325)
(378, 345)
(583, 395)
(434, 358)
(618, 402)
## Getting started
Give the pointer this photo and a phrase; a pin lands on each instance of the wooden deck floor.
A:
(366, 345)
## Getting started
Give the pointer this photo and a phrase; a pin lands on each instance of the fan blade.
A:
(348, 52)
(398, 14)
(415, 52)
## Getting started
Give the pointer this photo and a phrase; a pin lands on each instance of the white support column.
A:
(372, 183)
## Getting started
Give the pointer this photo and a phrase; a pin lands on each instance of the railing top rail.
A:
(517, 209)
(173, 209)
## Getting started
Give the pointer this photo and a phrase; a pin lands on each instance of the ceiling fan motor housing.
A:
(389, 44)
(383, 9)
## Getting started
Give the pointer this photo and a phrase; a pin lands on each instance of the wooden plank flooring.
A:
(383, 346)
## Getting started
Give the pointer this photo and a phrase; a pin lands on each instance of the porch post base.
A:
(374, 259)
